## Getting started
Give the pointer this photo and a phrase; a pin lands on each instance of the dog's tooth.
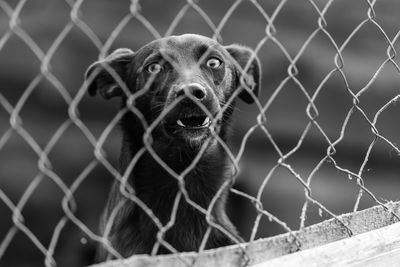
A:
(206, 121)
(180, 123)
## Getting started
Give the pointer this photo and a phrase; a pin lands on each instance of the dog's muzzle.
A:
(193, 115)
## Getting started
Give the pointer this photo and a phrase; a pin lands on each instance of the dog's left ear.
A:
(252, 79)
(105, 76)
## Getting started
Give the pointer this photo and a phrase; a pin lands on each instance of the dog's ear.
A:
(106, 76)
(247, 63)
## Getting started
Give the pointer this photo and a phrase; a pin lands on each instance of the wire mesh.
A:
(349, 113)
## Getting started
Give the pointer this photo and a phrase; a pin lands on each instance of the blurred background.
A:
(43, 109)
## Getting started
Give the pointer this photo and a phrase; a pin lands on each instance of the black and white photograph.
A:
(143, 133)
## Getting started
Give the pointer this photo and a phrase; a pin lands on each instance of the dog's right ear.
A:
(105, 76)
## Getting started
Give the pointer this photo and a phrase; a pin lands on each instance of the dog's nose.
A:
(194, 89)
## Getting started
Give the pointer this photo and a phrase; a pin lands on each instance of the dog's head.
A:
(185, 84)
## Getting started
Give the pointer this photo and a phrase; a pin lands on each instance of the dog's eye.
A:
(214, 63)
(153, 68)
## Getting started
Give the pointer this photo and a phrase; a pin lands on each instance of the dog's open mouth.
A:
(191, 127)
(194, 122)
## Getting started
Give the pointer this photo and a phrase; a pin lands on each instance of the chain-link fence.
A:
(320, 139)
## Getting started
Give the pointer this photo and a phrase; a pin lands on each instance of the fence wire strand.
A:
(321, 9)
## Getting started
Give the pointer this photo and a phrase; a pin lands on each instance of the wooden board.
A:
(375, 248)
(278, 247)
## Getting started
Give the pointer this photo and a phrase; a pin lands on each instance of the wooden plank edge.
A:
(269, 248)
(379, 247)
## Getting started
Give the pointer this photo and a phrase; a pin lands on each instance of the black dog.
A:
(184, 87)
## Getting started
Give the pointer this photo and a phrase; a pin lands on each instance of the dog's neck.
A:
(149, 174)
(151, 180)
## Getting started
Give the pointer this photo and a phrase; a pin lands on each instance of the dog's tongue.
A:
(194, 122)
